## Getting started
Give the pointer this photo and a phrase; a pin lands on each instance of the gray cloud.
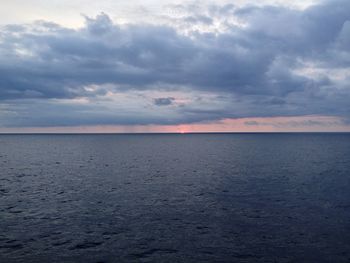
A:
(163, 101)
(279, 62)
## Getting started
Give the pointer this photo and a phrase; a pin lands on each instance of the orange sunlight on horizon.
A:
(268, 124)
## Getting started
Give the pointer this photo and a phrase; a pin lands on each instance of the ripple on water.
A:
(86, 245)
(61, 243)
(11, 244)
(25, 175)
(150, 252)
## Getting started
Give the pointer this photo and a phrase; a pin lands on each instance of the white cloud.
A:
(68, 12)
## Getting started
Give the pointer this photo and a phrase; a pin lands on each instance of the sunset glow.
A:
(275, 124)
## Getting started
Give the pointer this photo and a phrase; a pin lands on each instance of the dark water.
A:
(175, 198)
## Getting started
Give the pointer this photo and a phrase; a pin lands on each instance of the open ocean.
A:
(175, 198)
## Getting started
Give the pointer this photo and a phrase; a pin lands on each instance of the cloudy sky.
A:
(137, 66)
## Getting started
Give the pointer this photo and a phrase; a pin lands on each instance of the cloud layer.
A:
(209, 64)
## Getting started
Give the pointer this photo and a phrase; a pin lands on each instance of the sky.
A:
(178, 66)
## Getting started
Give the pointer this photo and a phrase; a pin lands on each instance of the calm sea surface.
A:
(175, 198)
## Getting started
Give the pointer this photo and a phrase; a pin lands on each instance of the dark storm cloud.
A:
(255, 64)
(163, 101)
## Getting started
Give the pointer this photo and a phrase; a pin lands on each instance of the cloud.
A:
(225, 61)
(164, 101)
(305, 122)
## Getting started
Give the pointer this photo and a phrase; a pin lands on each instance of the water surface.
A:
(175, 198)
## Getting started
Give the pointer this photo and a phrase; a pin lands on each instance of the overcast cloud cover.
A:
(200, 63)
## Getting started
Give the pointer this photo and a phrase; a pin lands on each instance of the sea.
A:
(271, 197)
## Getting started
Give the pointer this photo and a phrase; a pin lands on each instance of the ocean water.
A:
(175, 198)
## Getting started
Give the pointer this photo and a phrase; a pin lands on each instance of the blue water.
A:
(175, 198)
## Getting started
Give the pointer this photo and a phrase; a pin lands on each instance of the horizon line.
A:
(170, 133)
